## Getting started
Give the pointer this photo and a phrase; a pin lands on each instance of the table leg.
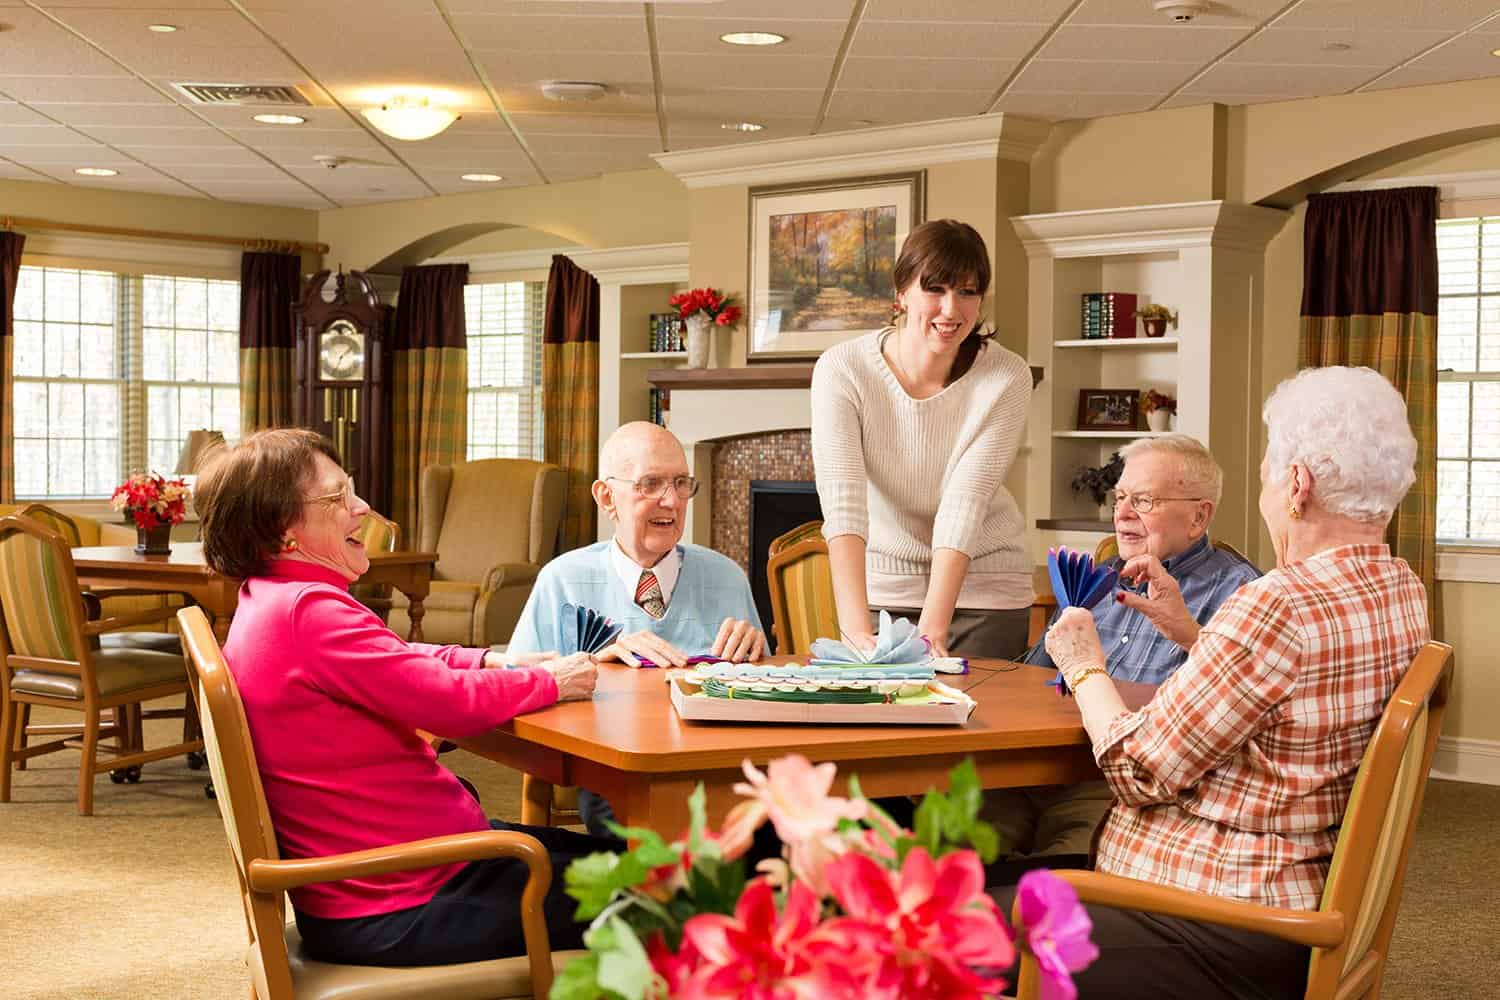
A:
(536, 801)
(415, 610)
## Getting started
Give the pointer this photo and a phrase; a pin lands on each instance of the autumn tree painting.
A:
(832, 270)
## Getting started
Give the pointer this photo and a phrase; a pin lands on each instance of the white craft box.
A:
(704, 709)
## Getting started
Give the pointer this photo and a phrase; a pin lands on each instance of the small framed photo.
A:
(1107, 409)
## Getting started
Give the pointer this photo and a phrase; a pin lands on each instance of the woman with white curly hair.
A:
(1234, 778)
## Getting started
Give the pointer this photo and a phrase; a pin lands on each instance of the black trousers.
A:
(475, 916)
(1161, 958)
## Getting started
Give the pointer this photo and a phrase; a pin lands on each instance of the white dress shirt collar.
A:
(667, 570)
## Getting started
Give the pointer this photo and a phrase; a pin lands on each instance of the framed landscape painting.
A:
(821, 257)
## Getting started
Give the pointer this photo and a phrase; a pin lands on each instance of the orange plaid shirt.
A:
(1234, 778)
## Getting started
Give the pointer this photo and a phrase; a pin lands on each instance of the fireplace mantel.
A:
(749, 377)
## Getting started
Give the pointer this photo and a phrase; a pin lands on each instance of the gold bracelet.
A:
(1082, 676)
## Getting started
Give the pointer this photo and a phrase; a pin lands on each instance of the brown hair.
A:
(248, 495)
(948, 252)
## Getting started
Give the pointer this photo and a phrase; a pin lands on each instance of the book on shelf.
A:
(1107, 315)
(660, 406)
(666, 332)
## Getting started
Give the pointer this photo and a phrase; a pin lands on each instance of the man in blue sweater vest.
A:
(674, 599)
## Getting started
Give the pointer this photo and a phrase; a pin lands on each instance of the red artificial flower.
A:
(151, 500)
(710, 301)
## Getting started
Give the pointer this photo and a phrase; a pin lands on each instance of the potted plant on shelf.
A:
(154, 503)
(701, 308)
(1154, 319)
(1099, 482)
(1158, 408)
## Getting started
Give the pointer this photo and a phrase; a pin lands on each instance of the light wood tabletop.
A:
(629, 745)
(184, 570)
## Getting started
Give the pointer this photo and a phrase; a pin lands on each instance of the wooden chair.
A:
(800, 579)
(278, 968)
(379, 534)
(50, 655)
(1108, 550)
(1350, 933)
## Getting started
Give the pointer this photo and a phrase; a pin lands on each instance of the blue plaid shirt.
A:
(1134, 650)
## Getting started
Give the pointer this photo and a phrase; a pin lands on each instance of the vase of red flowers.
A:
(153, 503)
(701, 310)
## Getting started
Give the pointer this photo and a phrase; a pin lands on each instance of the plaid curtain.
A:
(429, 382)
(570, 393)
(1369, 297)
(269, 286)
(10, 272)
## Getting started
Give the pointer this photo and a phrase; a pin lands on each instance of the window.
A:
(1469, 381)
(504, 322)
(112, 371)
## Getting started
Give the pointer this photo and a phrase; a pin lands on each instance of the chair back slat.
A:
(240, 795)
(1369, 863)
(39, 587)
(59, 523)
(799, 577)
(379, 534)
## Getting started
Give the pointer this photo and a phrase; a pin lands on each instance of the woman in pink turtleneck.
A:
(334, 700)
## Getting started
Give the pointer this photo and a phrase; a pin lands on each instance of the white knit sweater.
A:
(911, 475)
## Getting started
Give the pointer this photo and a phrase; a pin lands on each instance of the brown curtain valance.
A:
(1370, 252)
(270, 283)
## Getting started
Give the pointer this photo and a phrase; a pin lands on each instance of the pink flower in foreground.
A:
(738, 831)
(795, 794)
(1057, 932)
(758, 955)
(939, 925)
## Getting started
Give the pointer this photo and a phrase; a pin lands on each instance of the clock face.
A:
(341, 353)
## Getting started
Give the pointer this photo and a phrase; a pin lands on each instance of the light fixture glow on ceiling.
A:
(1495, 52)
(280, 119)
(410, 118)
(752, 38)
(162, 29)
(483, 178)
(95, 171)
(742, 126)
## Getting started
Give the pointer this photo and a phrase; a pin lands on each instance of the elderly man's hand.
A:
(1162, 604)
(1073, 642)
(630, 649)
(575, 675)
(739, 642)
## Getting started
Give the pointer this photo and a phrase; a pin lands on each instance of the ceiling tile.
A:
(136, 115)
(1308, 46)
(92, 155)
(749, 70)
(701, 34)
(625, 32)
(997, 11)
(888, 107)
(944, 40)
(216, 156)
(924, 74)
(33, 44)
(1062, 76)
(42, 135)
(1240, 13)
(739, 105)
(1140, 44)
(593, 144)
(529, 69)
(773, 15)
(372, 36)
(74, 89)
(565, 123)
(1390, 15)
(125, 135)
(1277, 81)
(17, 114)
(1060, 107)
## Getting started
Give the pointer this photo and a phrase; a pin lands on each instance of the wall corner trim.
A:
(860, 151)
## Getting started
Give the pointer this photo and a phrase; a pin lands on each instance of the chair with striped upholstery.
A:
(800, 579)
(1350, 933)
(379, 534)
(50, 655)
(279, 969)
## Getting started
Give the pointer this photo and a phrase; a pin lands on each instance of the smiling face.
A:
(940, 315)
(1173, 525)
(327, 529)
(647, 528)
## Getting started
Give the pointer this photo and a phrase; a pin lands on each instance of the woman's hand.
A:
(575, 675)
(739, 642)
(936, 639)
(1162, 604)
(1073, 642)
(861, 639)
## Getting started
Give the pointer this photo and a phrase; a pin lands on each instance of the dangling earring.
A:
(289, 545)
(897, 310)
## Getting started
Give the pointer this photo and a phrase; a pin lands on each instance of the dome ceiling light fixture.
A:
(270, 119)
(481, 178)
(95, 172)
(573, 90)
(752, 38)
(410, 118)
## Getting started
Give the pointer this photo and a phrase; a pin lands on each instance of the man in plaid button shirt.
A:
(1164, 504)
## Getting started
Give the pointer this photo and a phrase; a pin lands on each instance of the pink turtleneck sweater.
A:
(334, 700)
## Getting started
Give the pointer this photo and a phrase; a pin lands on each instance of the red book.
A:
(1120, 314)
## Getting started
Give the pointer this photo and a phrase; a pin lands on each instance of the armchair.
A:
(493, 524)
(279, 970)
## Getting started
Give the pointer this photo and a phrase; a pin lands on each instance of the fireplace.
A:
(776, 507)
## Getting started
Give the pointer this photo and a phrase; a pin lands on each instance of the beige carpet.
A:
(139, 901)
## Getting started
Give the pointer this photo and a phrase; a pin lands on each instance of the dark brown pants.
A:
(995, 635)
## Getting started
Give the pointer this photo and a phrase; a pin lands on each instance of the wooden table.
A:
(629, 745)
(185, 571)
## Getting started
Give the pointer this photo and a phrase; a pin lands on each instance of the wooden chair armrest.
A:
(1313, 928)
(145, 617)
(289, 873)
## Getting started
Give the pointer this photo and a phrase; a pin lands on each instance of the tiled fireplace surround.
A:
(735, 462)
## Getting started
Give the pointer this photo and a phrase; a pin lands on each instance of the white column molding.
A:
(1149, 228)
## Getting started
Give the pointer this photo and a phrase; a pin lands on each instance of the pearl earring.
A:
(289, 545)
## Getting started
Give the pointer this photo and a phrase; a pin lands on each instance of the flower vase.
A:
(1158, 420)
(154, 541)
(698, 328)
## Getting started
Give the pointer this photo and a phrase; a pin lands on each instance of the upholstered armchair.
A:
(493, 524)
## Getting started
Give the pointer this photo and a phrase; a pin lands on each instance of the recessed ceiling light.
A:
(96, 171)
(280, 119)
(752, 38)
(1495, 52)
(743, 126)
(162, 29)
(483, 178)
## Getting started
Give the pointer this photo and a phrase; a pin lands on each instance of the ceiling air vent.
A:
(243, 93)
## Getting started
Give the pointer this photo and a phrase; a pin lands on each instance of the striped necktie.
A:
(648, 595)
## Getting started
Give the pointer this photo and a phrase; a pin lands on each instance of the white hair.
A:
(1200, 474)
(1349, 427)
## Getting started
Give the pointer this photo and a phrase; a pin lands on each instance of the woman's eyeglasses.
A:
(1144, 503)
(344, 496)
(655, 487)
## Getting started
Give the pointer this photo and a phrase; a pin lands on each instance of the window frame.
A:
(533, 295)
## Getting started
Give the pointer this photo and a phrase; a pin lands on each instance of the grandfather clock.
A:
(343, 375)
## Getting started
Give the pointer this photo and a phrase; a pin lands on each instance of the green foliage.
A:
(949, 822)
(616, 967)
